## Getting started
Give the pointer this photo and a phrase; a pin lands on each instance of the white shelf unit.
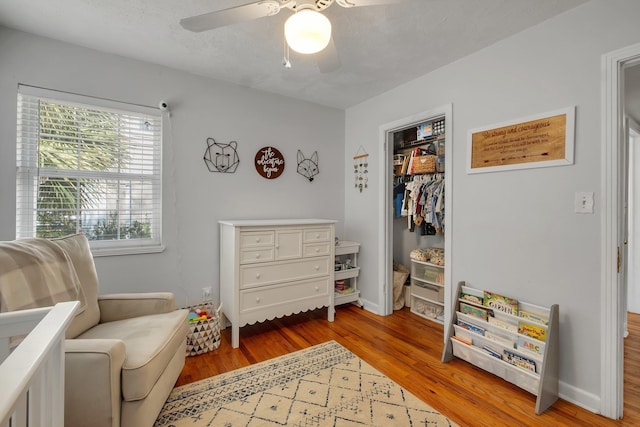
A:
(543, 383)
(427, 290)
(347, 250)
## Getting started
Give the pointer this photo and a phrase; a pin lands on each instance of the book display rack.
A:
(514, 340)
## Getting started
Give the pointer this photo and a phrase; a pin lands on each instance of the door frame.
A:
(612, 307)
(385, 228)
(631, 127)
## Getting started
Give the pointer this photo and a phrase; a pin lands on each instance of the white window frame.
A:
(27, 170)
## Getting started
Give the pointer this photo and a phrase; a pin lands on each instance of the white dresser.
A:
(274, 268)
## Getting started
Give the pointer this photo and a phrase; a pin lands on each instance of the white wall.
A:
(194, 199)
(515, 232)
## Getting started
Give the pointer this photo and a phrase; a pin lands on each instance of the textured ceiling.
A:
(380, 47)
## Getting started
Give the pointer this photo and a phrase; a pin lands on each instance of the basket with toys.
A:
(204, 329)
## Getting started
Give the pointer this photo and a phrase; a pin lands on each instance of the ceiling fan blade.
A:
(328, 58)
(234, 15)
(356, 3)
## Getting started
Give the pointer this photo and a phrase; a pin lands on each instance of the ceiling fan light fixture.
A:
(307, 31)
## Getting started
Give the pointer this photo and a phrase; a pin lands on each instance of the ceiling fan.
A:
(307, 31)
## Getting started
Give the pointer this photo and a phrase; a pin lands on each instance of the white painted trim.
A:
(579, 397)
(385, 251)
(370, 306)
(612, 309)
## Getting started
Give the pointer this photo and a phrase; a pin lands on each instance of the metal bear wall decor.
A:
(308, 167)
(221, 157)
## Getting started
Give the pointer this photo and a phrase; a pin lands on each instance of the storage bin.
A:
(407, 296)
(425, 290)
(426, 308)
(427, 272)
(423, 164)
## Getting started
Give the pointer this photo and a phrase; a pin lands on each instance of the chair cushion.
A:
(150, 343)
(77, 248)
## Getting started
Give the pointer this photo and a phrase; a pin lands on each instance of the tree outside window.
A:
(93, 170)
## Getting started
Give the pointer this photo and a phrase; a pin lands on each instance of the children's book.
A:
(500, 303)
(471, 327)
(519, 361)
(532, 330)
(534, 317)
(502, 324)
(462, 339)
(500, 339)
(527, 343)
(470, 310)
(471, 298)
(492, 352)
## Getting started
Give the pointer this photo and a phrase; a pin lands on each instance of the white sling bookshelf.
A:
(480, 343)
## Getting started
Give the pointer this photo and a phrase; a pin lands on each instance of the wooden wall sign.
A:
(269, 162)
(531, 142)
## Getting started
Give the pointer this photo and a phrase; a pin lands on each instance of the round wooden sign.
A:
(269, 162)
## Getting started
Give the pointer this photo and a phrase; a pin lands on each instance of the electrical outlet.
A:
(206, 294)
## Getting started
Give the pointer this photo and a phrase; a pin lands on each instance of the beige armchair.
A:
(124, 352)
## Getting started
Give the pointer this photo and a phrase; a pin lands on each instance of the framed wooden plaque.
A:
(536, 141)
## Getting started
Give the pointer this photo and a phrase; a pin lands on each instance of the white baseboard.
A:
(370, 306)
(579, 397)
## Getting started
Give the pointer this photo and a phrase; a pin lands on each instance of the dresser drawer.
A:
(322, 234)
(260, 298)
(253, 275)
(249, 256)
(253, 239)
(315, 249)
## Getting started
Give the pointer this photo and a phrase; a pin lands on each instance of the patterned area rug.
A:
(324, 385)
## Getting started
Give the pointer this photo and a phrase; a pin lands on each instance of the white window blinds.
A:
(88, 165)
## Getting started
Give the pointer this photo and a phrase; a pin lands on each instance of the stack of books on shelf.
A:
(502, 328)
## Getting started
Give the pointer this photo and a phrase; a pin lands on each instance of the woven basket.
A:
(204, 335)
(423, 164)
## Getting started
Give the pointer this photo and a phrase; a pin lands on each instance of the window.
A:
(88, 165)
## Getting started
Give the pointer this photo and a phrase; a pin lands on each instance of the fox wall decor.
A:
(308, 167)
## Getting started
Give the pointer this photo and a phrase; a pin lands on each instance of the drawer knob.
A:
(277, 246)
(257, 256)
(317, 267)
(257, 299)
(257, 275)
(317, 249)
(257, 240)
(317, 288)
(317, 235)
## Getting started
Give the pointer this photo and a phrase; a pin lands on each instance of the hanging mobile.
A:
(361, 169)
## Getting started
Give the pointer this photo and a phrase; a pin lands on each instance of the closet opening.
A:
(417, 222)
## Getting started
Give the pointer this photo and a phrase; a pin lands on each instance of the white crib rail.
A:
(32, 376)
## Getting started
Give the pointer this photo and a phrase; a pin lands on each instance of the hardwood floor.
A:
(408, 349)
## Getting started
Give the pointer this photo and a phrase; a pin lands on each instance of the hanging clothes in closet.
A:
(398, 195)
(423, 204)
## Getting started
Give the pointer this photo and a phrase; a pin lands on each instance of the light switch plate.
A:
(584, 202)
